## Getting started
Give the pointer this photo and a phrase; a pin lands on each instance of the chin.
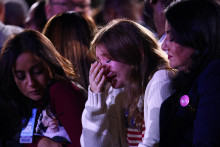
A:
(36, 98)
(117, 86)
(173, 66)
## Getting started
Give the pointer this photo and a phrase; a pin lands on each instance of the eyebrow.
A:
(34, 66)
(105, 54)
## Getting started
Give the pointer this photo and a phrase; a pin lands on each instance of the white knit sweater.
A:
(103, 120)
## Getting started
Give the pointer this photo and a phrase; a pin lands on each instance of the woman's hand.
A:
(96, 77)
(46, 142)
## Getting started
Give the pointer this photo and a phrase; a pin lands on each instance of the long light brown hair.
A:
(130, 43)
(71, 33)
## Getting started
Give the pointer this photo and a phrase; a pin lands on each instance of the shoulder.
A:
(158, 88)
(7, 30)
(210, 76)
(213, 67)
(212, 71)
(10, 29)
(66, 88)
(62, 85)
(162, 76)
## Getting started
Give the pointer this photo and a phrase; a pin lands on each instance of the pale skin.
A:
(106, 69)
(30, 76)
(51, 123)
(46, 142)
(96, 77)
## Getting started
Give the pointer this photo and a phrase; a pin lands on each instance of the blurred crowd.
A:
(109, 73)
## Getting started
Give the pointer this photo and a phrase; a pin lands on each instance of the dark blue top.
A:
(197, 124)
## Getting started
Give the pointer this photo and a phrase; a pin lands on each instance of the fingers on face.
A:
(94, 70)
(93, 66)
(91, 72)
(99, 76)
(102, 80)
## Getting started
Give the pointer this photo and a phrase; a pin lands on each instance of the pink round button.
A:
(184, 100)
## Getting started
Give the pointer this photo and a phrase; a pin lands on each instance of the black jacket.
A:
(197, 124)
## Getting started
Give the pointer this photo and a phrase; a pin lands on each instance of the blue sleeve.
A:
(207, 122)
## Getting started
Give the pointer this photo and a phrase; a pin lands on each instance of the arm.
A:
(207, 122)
(46, 142)
(68, 103)
(157, 91)
(100, 120)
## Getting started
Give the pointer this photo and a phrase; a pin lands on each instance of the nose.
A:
(103, 64)
(164, 45)
(30, 80)
(106, 68)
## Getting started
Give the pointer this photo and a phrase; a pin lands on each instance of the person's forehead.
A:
(80, 1)
(59, 1)
(76, 1)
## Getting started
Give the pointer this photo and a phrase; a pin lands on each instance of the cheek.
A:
(124, 71)
(20, 85)
(43, 80)
(44, 122)
(177, 52)
(114, 67)
(183, 55)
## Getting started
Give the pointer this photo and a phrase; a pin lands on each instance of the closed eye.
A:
(108, 61)
(19, 75)
(37, 70)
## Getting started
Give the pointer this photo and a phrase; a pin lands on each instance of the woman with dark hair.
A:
(71, 33)
(189, 117)
(35, 75)
(128, 83)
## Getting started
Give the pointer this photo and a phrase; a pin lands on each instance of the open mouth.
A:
(112, 80)
(110, 76)
(169, 56)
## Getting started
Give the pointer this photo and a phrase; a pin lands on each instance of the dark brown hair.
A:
(37, 44)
